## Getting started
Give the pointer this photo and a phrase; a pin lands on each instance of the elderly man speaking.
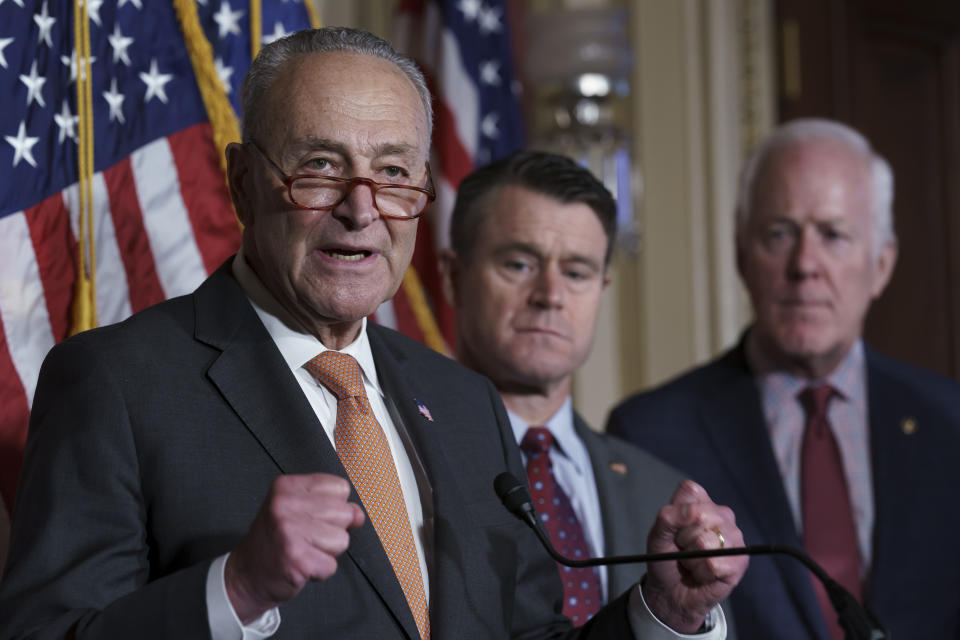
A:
(256, 459)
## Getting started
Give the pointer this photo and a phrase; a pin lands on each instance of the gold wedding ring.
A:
(723, 542)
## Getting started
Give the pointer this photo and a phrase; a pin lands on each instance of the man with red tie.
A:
(531, 239)
(810, 436)
(256, 459)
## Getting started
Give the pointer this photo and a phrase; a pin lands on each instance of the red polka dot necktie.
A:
(581, 586)
(364, 452)
(829, 533)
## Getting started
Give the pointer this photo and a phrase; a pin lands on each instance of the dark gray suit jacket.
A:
(709, 422)
(632, 487)
(153, 443)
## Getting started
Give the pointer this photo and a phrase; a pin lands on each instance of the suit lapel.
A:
(622, 532)
(256, 382)
(896, 453)
(735, 427)
(404, 385)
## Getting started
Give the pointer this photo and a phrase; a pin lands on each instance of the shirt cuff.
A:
(223, 620)
(645, 625)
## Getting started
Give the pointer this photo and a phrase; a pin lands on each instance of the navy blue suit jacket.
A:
(709, 423)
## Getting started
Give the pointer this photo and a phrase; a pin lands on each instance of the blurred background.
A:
(663, 99)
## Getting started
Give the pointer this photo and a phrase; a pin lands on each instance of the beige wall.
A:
(702, 89)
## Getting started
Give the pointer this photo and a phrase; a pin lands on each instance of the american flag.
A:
(464, 49)
(162, 220)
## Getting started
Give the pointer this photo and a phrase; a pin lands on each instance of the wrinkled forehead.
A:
(812, 173)
(349, 94)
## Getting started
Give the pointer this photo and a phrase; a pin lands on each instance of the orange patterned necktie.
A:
(365, 454)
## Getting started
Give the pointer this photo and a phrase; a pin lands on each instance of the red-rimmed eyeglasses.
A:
(322, 193)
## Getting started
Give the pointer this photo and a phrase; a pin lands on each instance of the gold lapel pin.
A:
(618, 467)
(908, 426)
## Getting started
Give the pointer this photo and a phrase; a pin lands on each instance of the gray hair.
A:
(797, 131)
(274, 56)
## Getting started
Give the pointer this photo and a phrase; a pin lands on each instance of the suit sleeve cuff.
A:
(645, 625)
(223, 620)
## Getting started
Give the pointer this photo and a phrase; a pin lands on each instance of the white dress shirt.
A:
(297, 348)
(574, 473)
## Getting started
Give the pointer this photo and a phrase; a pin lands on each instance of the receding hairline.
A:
(814, 152)
(276, 56)
(294, 64)
(805, 132)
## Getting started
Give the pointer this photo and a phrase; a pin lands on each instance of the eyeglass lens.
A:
(392, 201)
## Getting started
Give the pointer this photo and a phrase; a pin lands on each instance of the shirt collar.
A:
(848, 378)
(560, 424)
(296, 345)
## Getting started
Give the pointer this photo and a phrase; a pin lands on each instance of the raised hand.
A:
(301, 528)
(681, 593)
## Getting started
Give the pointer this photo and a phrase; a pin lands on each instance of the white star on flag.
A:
(490, 72)
(72, 63)
(120, 44)
(67, 123)
(488, 126)
(489, 20)
(93, 10)
(278, 32)
(34, 84)
(4, 43)
(155, 82)
(470, 9)
(223, 72)
(45, 24)
(22, 146)
(160, 213)
(228, 20)
(115, 100)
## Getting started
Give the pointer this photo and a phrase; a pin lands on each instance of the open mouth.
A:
(347, 255)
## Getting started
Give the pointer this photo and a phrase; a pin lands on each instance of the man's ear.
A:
(449, 264)
(238, 181)
(885, 263)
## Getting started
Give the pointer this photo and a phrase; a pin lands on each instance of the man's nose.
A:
(805, 259)
(358, 209)
(548, 288)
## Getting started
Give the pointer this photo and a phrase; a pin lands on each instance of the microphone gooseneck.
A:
(857, 622)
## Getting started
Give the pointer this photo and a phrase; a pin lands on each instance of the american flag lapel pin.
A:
(423, 410)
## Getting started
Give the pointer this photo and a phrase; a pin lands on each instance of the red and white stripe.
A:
(162, 223)
(421, 34)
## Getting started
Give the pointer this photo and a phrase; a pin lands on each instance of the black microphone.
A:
(857, 622)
